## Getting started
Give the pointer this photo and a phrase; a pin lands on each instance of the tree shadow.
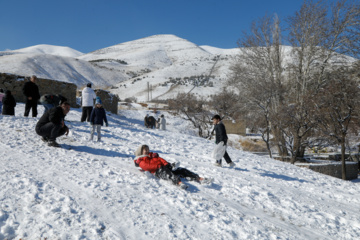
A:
(283, 177)
(95, 151)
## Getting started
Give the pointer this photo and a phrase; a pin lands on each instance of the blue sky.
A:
(88, 25)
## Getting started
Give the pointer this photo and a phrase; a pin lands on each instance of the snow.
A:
(47, 49)
(94, 191)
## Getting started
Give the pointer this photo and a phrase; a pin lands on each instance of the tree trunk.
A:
(343, 163)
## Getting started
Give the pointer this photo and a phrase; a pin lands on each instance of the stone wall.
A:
(334, 169)
(15, 83)
(109, 101)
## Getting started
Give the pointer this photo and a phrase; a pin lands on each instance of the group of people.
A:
(153, 163)
(52, 125)
(32, 95)
(150, 122)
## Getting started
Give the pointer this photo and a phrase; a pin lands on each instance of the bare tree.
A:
(192, 109)
(279, 81)
(337, 108)
(258, 74)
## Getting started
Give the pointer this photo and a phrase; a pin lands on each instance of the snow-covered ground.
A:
(94, 191)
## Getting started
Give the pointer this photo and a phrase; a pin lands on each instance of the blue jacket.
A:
(98, 116)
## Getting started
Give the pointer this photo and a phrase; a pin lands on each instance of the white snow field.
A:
(93, 190)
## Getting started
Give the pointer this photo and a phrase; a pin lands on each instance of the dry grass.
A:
(253, 145)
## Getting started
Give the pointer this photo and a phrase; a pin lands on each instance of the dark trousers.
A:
(31, 104)
(51, 131)
(227, 158)
(166, 173)
(86, 111)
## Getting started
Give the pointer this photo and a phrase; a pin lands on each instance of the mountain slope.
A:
(46, 49)
(94, 191)
(66, 69)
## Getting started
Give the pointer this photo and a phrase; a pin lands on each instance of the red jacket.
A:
(151, 162)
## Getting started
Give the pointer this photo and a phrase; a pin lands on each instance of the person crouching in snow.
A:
(97, 119)
(149, 161)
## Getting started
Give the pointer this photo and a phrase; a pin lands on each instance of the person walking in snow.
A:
(162, 122)
(2, 94)
(51, 125)
(31, 92)
(87, 102)
(97, 119)
(9, 104)
(221, 138)
(152, 162)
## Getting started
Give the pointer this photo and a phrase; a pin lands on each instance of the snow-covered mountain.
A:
(47, 49)
(155, 67)
(94, 191)
(168, 63)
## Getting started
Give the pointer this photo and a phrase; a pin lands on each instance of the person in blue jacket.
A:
(97, 119)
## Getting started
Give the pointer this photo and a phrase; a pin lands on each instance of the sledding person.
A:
(97, 119)
(51, 125)
(87, 102)
(9, 104)
(221, 136)
(31, 92)
(149, 161)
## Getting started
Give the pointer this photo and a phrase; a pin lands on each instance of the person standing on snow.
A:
(221, 136)
(51, 125)
(97, 119)
(9, 104)
(149, 161)
(31, 92)
(87, 102)
(162, 122)
(2, 94)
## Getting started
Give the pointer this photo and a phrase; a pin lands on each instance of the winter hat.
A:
(216, 117)
(98, 101)
(139, 150)
(89, 85)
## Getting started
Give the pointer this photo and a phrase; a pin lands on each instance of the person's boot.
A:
(44, 139)
(218, 163)
(53, 143)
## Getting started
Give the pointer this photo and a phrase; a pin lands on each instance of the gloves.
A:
(155, 155)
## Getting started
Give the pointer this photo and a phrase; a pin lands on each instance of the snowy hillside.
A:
(47, 49)
(167, 63)
(66, 69)
(94, 191)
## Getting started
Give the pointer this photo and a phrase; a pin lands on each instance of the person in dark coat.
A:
(221, 136)
(97, 119)
(31, 92)
(51, 125)
(9, 104)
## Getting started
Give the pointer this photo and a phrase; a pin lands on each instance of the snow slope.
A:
(94, 191)
(47, 49)
(66, 69)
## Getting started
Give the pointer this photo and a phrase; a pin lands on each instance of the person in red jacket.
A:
(152, 162)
